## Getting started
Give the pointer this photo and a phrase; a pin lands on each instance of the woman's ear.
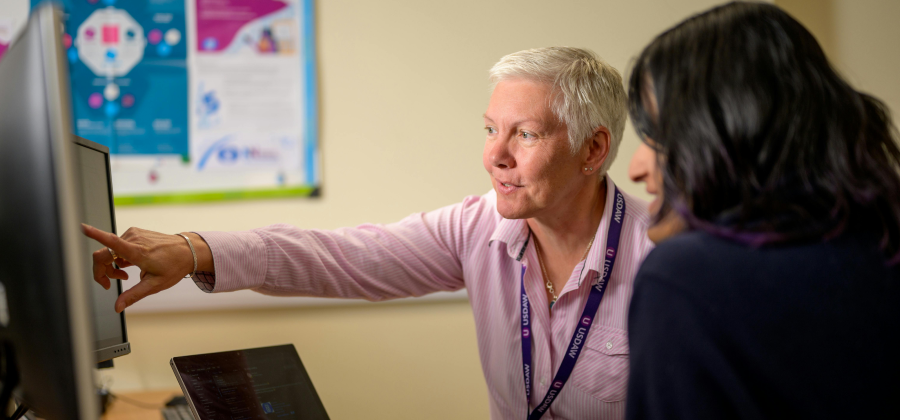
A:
(597, 149)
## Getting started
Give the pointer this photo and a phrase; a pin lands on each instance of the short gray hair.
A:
(588, 92)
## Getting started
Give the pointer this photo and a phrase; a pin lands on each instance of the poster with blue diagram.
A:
(197, 100)
(128, 61)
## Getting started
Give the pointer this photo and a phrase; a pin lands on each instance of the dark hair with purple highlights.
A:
(759, 139)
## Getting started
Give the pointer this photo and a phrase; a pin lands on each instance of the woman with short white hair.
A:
(548, 257)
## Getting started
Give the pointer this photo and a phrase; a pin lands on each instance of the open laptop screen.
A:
(261, 383)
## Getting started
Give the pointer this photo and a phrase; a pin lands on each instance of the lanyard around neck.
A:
(584, 323)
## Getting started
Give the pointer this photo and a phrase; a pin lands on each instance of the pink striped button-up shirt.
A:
(464, 245)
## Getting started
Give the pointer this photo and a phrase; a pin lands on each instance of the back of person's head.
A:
(588, 92)
(759, 139)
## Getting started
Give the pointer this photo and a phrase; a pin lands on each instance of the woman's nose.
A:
(500, 155)
(641, 165)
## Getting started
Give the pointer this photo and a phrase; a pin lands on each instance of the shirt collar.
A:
(515, 234)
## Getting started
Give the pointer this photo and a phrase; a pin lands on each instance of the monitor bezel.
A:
(121, 349)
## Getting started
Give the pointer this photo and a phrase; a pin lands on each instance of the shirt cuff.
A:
(205, 280)
(239, 260)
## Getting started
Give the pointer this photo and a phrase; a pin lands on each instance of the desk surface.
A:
(139, 405)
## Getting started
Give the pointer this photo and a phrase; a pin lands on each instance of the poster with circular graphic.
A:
(199, 100)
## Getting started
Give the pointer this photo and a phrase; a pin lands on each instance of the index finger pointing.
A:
(123, 248)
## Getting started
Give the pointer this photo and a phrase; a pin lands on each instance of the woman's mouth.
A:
(507, 187)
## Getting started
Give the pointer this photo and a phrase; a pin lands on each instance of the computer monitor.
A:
(92, 165)
(46, 332)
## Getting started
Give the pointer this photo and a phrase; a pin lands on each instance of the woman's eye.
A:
(491, 130)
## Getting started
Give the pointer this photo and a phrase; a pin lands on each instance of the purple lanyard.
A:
(587, 317)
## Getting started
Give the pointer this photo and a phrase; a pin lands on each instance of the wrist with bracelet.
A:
(193, 253)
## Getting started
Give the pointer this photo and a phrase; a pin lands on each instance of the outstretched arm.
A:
(418, 255)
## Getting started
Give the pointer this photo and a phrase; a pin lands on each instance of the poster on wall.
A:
(198, 100)
(13, 16)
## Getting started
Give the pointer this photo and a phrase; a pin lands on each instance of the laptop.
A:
(260, 383)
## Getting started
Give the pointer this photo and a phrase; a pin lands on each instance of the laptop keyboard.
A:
(178, 412)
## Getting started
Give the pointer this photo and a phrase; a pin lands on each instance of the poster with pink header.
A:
(252, 95)
(198, 100)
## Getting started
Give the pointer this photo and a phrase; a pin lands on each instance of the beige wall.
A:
(403, 87)
(860, 38)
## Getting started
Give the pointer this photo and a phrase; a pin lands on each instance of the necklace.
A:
(544, 270)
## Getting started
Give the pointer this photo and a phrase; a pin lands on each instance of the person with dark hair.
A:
(773, 291)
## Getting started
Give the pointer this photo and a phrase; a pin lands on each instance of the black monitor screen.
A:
(98, 212)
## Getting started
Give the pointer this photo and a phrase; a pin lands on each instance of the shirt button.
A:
(543, 381)
(609, 344)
